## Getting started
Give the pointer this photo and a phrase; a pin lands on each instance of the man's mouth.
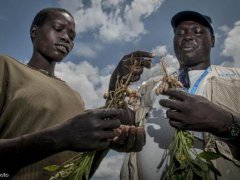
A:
(188, 47)
(63, 48)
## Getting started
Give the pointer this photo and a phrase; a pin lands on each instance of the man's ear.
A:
(33, 31)
(213, 40)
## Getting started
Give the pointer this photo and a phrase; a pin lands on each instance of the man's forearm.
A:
(112, 82)
(24, 150)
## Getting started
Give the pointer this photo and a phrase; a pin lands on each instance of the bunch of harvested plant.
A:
(79, 167)
(183, 162)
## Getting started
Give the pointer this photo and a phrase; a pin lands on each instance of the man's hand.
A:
(131, 139)
(128, 115)
(91, 130)
(122, 69)
(193, 112)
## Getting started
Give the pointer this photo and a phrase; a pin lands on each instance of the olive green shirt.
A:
(30, 101)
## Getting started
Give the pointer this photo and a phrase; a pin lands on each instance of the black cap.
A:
(193, 16)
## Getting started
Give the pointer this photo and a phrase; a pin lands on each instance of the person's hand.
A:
(131, 139)
(193, 112)
(122, 69)
(90, 130)
(128, 115)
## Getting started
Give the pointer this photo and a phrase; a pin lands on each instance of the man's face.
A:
(54, 39)
(192, 43)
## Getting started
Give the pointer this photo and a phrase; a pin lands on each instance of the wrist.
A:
(232, 131)
(59, 140)
(112, 82)
(234, 128)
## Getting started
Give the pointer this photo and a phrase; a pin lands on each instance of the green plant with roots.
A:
(78, 168)
(183, 161)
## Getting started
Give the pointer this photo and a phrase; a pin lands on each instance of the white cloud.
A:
(111, 3)
(232, 45)
(109, 20)
(110, 167)
(224, 28)
(84, 50)
(160, 50)
(107, 69)
(86, 79)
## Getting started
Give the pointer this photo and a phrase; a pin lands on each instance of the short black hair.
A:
(43, 14)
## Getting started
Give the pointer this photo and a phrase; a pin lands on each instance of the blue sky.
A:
(108, 29)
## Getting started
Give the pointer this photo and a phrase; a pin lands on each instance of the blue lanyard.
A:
(195, 86)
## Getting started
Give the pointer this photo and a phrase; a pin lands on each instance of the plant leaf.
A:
(51, 168)
(209, 155)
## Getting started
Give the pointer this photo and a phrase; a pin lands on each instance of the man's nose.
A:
(65, 37)
(188, 36)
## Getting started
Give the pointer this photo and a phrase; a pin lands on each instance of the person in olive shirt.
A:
(42, 120)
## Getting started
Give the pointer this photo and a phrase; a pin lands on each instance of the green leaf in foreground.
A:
(51, 168)
(209, 155)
